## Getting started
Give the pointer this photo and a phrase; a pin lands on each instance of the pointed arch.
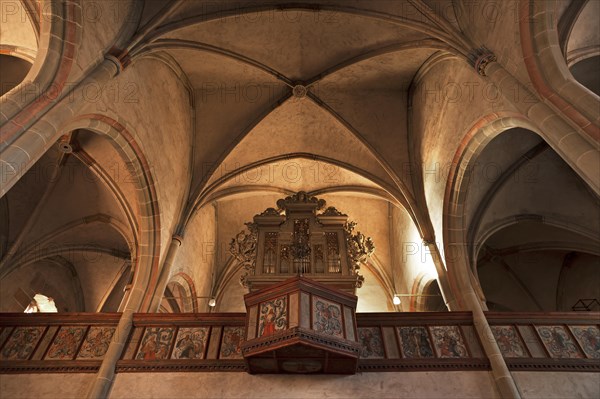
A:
(454, 222)
(146, 264)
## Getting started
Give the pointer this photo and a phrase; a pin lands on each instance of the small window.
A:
(41, 304)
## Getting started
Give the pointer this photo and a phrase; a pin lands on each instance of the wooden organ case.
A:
(301, 265)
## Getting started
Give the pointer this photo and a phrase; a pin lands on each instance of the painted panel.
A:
(589, 339)
(349, 322)
(96, 342)
(44, 343)
(558, 342)
(66, 343)
(448, 342)
(232, 342)
(371, 343)
(273, 316)
(190, 343)
(252, 314)
(304, 310)
(509, 341)
(132, 344)
(21, 343)
(327, 317)
(293, 322)
(389, 340)
(472, 342)
(156, 343)
(214, 342)
(4, 334)
(532, 342)
(415, 342)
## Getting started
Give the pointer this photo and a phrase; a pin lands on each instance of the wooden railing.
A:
(211, 342)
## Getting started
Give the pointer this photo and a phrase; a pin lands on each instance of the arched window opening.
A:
(41, 304)
(586, 73)
(14, 70)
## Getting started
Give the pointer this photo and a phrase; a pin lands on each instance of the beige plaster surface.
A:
(550, 385)
(465, 384)
(50, 386)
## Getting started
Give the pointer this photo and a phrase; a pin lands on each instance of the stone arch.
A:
(462, 277)
(187, 283)
(381, 280)
(395, 195)
(146, 264)
(14, 70)
(116, 295)
(54, 276)
(544, 220)
(426, 295)
(554, 83)
(455, 251)
(59, 37)
(550, 272)
(580, 45)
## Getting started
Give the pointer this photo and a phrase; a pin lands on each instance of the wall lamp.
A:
(397, 301)
(212, 302)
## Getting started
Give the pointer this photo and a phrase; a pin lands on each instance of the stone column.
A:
(504, 380)
(447, 294)
(105, 376)
(165, 272)
(470, 301)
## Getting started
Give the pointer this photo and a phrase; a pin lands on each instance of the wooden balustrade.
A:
(77, 342)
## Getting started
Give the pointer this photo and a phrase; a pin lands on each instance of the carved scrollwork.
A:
(271, 212)
(359, 248)
(286, 249)
(301, 198)
(243, 248)
(332, 211)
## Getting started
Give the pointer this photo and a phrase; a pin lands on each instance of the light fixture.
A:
(212, 302)
(397, 301)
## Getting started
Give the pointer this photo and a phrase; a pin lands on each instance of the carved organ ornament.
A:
(301, 237)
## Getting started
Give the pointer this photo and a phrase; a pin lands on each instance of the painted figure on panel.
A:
(21, 343)
(508, 341)
(185, 347)
(589, 339)
(327, 318)
(371, 343)
(190, 343)
(415, 342)
(148, 349)
(231, 343)
(96, 342)
(558, 342)
(448, 341)
(273, 316)
(156, 343)
(269, 323)
(66, 343)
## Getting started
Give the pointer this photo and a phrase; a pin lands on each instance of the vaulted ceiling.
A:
(301, 95)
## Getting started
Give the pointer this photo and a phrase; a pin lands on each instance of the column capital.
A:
(480, 58)
(120, 58)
